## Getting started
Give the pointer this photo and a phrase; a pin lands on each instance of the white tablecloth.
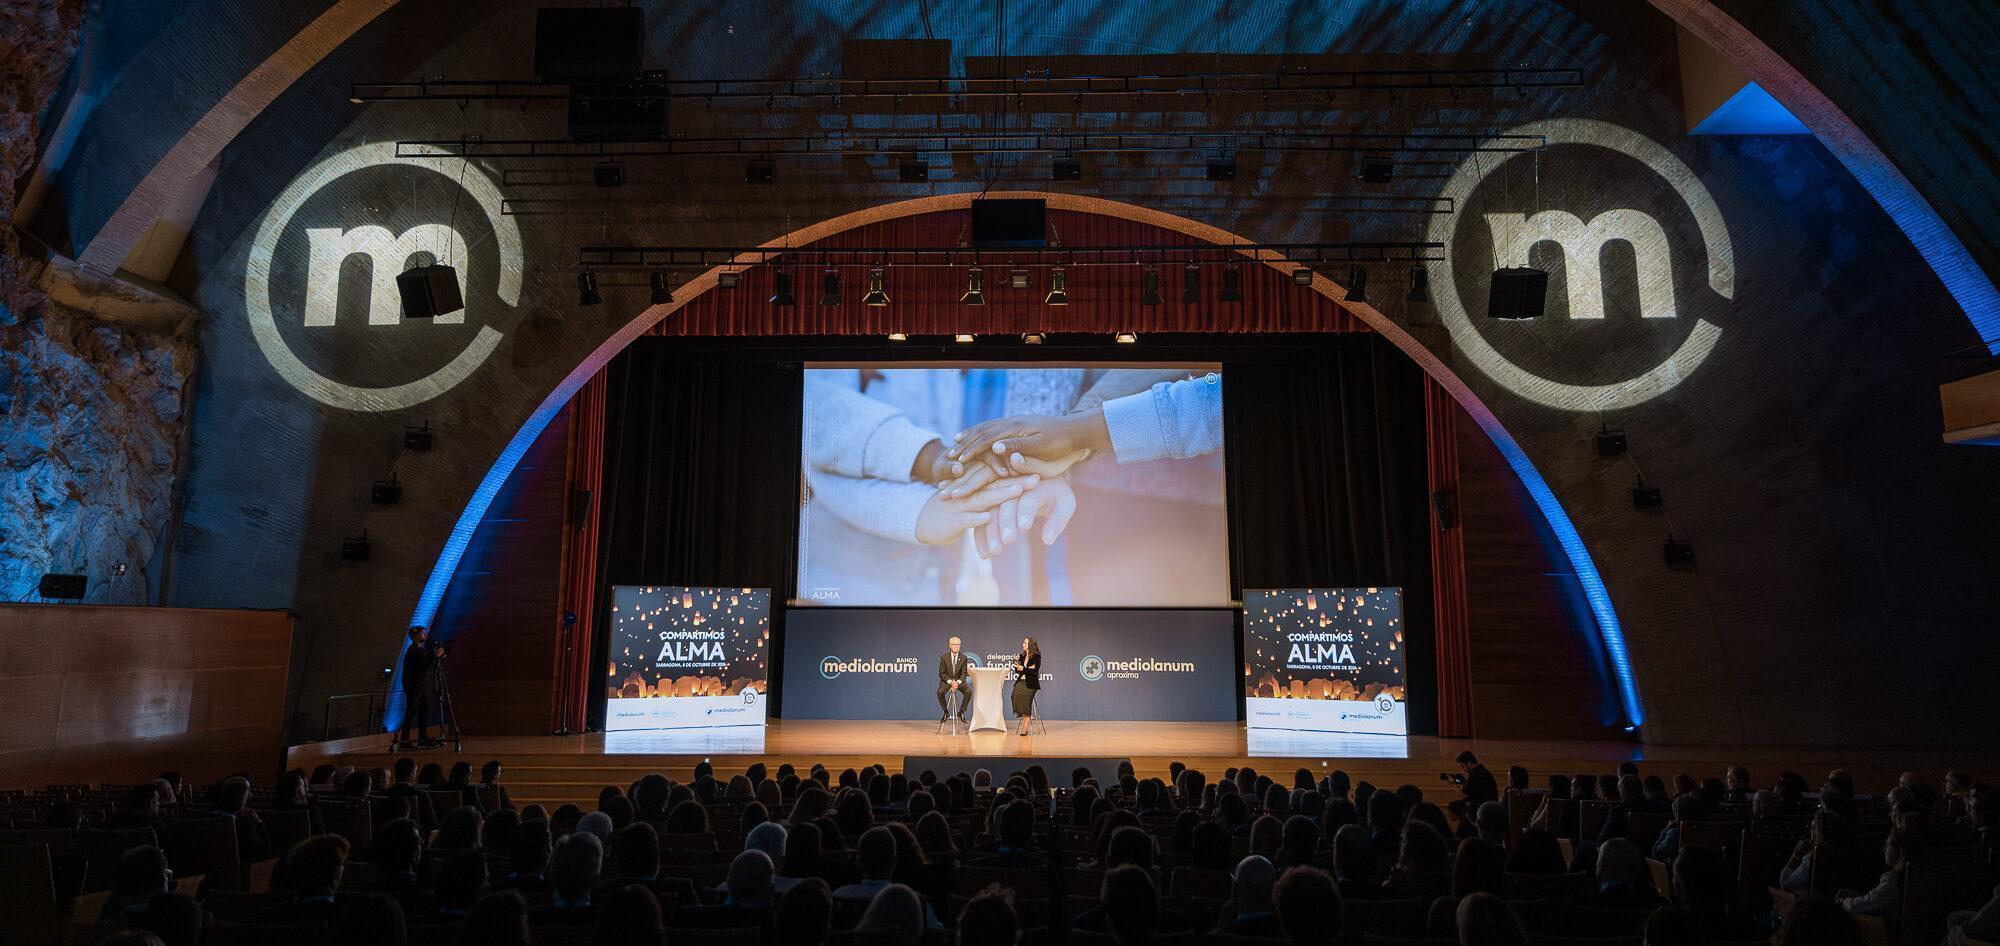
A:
(987, 683)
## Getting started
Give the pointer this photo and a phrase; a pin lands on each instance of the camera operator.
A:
(418, 658)
(1477, 788)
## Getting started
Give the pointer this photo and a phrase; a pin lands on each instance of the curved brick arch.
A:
(1609, 630)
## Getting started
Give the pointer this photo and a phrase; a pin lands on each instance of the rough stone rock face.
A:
(95, 420)
(37, 42)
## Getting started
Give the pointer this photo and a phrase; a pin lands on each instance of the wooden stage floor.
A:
(555, 769)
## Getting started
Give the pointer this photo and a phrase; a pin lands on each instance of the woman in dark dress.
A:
(1028, 682)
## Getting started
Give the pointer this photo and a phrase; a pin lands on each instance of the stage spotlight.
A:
(913, 170)
(1066, 169)
(899, 337)
(1127, 338)
(1191, 284)
(1610, 442)
(1149, 287)
(830, 288)
(1647, 497)
(1679, 553)
(1232, 285)
(1031, 338)
(1222, 168)
(418, 439)
(1357, 284)
(1019, 279)
(1517, 293)
(781, 292)
(386, 492)
(1420, 285)
(1377, 170)
(662, 286)
(759, 172)
(962, 338)
(356, 548)
(1302, 276)
(975, 287)
(1057, 295)
(876, 295)
(728, 279)
(608, 174)
(586, 288)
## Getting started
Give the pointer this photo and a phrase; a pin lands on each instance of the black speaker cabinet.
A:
(429, 291)
(65, 587)
(1517, 294)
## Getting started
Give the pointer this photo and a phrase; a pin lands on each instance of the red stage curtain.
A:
(579, 579)
(1454, 638)
(925, 299)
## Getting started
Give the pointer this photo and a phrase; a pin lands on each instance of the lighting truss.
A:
(954, 141)
(605, 256)
(1173, 91)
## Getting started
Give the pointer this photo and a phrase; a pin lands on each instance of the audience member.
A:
(1308, 907)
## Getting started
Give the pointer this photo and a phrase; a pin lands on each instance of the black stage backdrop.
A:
(1325, 458)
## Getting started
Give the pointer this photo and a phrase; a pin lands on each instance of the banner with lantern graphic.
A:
(1328, 659)
(687, 657)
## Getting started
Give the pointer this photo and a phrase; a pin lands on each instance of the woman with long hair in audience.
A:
(1537, 852)
(1266, 834)
(1484, 919)
(805, 914)
(935, 838)
(687, 818)
(895, 917)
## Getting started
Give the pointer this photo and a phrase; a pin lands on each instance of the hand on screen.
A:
(1039, 436)
(943, 519)
(977, 475)
(1051, 499)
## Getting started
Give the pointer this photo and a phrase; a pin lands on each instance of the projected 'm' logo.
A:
(320, 280)
(1637, 253)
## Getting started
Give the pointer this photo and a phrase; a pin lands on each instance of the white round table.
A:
(987, 682)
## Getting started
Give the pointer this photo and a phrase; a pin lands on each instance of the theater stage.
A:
(556, 769)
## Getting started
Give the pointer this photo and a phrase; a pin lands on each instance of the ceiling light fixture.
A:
(1057, 294)
(975, 287)
(586, 288)
(876, 295)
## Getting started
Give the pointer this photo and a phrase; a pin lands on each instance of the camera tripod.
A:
(439, 685)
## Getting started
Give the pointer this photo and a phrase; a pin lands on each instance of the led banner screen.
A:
(686, 657)
(1328, 659)
(1106, 489)
(865, 663)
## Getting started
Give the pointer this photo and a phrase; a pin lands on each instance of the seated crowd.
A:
(780, 856)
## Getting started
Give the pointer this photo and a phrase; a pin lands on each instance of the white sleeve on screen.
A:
(877, 507)
(852, 434)
(1173, 419)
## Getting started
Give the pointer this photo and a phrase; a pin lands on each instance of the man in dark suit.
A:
(405, 786)
(1477, 786)
(418, 659)
(954, 673)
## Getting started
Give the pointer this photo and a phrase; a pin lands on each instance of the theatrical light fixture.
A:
(1018, 279)
(1057, 295)
(1149, 287)
(386, 492)
(1232, 285)
(1222, 168)
(1191, 284)
(913, 170)
(1357, 284)
(1127, 338)
(830, 288)
(356, 548)
(975, 288)
(1031, 338)
(608, 174)
(728, 279)
(876, 295)
(962, 339)
(899, 337)
(1420, 285)
(418, 439)
(759, 172)
(586, 288)
(1679, 553)
(1610, 442)
(781, 293)
(1646, 497)
(1517, 293)
(1066, 168)
(1377, 170)
(1302, 276)
(662, 286)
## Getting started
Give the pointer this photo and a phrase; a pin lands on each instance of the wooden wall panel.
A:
(1535, 657)
(117, 694)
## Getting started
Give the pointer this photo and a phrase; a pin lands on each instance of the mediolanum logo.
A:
(1091, 667)
(1627, 231)
(831, 666)
(320, 280)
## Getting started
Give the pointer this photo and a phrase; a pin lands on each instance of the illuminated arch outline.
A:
(1610, 633)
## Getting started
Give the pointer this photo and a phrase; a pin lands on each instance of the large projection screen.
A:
(687, 657)
(1106, 491)
(1325, 659)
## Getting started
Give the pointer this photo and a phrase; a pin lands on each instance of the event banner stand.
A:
(683, 658)
(1324, 659)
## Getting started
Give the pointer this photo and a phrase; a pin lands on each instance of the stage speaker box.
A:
(1010, 222)
(418, 439)
(355, 549)
(589, 43)
(1517, 294)
(630, 112)
(1610, 442)
(1647, 497)
(1679, 553)
(1444, 505)
(386, 492)
(65, 587)
(429, 291)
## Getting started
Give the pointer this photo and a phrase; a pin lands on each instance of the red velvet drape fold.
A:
(1454, 638)
(574, 676)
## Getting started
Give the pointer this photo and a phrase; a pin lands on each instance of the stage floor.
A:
(555, 769)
